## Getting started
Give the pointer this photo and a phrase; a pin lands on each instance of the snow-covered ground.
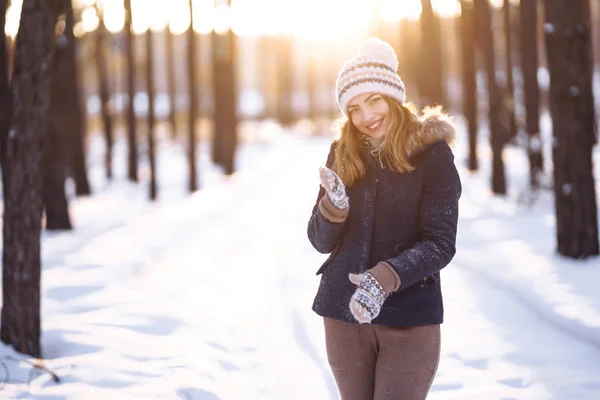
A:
(208, 296)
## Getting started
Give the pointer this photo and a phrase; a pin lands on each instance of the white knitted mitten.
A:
(333, 185)
(366, 302)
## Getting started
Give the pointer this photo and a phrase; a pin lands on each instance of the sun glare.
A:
(307, 19)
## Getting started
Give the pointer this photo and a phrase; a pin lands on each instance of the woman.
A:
(387, 212)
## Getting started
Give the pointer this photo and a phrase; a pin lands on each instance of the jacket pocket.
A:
(330, 258)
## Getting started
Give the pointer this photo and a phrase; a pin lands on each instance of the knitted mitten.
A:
(366, 302)
(333, 185)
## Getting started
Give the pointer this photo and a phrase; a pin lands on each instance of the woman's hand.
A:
(333, 185)
(368, 298)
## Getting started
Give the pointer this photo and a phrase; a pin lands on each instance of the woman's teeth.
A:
(375, 125)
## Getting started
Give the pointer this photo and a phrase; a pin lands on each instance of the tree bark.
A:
(285, 80)
(431, 82)
(569, 52)
(132, 159)
(171, 88)
(529, 68)
(60, 122)
(509, 92)
(469, 69)
(498, 134)
(225, 118)
(193, 99)
(23, 206)
(151, 118)
(5, 95)
(104, 88)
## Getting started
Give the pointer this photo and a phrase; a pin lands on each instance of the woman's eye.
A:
(375, 99)
(352, 111)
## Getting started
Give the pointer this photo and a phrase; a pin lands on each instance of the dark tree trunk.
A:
(469, 79)
(151, 119)
(193, 99)
(529, 68)
(225, 118)
(5, 95)
(60, 121)
(104, 86)
(509, 92)
(132, 159)
(285, 80)
(171, 88)
(498, 134)
(431, 81)
(569, 52)
(20, 325)
(75, 128)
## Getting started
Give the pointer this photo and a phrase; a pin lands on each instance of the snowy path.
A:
(209, 298)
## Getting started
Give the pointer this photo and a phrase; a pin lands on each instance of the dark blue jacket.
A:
(406, 219)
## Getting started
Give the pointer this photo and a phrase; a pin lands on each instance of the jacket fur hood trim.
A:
(435, 126)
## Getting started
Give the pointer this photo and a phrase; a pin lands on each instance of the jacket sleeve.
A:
(324, 234)
(438, 221)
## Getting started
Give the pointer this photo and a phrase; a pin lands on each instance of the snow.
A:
(208, 296)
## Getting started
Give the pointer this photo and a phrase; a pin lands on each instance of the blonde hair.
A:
(392, 151)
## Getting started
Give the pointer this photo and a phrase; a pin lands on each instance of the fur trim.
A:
(434, 126)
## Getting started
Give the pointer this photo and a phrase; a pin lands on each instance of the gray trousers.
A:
(378, 362)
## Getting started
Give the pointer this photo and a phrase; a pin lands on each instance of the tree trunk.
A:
(193, 98)
(225, 119)
(509, 92)
(171, 88)
(5, 95)
(469, 79)
(75, 129)
(529, 68)
(569, 52)
(285, 80)
(312, 87)
(498, 135)
(20, 325)
(151, 119)
(103, 84)
(60, 121)
(431, 82)
(132, 159)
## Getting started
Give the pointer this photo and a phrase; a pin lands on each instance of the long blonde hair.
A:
(391, 152)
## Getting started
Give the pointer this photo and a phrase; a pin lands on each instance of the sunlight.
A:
(13, 14)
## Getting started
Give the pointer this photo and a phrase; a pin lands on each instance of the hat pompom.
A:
(377, 48)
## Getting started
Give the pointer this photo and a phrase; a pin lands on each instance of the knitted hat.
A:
(372, 70)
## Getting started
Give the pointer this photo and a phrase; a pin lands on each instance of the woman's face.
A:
(369, 113)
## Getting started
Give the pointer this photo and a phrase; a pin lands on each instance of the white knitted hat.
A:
(372, 70)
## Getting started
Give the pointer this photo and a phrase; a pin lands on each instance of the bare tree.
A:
(509, 90)
(104, 86)
(171, 87)
(469, 68)
(531, 92)
(59, 123)
(151, 118)
(285, 81)
(23, 206)
(193, 99)
(431, 81)
(5, 95)
(569, 52)
(498, 135)
(132, 159)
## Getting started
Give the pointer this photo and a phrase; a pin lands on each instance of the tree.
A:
(469, 68)
(103, 84)
(193, 98)
(285, 83)
(498, 135)
(75, 125)
(20, 325)
(171, 88)
(132, 159)
(531, 92)
(509, 91)
(151, 118)
(5, 95)
(225, 115)
(431, 82)
(569, 54)
(60, 121)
